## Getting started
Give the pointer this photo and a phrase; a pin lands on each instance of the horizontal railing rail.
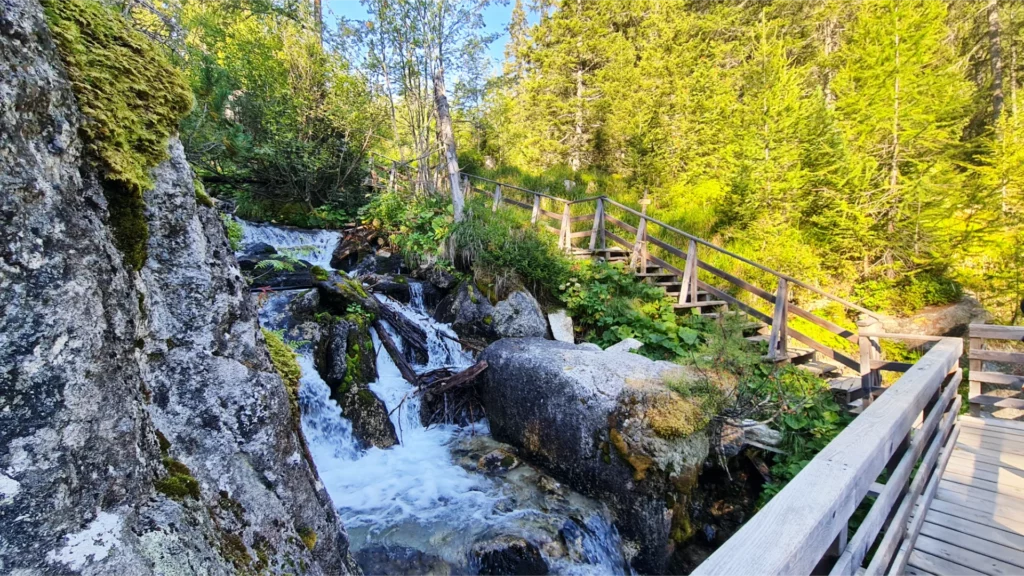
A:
(996, 380)
(806, 527)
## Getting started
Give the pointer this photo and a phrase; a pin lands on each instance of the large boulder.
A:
(519, 316)
(469, 312)
(143, 428)
(605, 424)
(348, 365)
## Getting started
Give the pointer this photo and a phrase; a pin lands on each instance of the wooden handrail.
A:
(794, 532)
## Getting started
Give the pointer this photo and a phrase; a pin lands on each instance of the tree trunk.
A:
(576, 153)
(444, 122)
(318, 13)
(996, 59)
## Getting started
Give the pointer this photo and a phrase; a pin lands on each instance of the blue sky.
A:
(496, 17)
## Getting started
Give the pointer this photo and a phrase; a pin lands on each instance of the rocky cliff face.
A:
(143, 429)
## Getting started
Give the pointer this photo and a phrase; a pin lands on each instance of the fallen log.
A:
(412, 335)
(403, 366)
(456, 380)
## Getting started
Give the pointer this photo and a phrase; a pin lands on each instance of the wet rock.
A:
(381, 263)
(498, 462)
(294, 275)
(509, 555)
(519, 316)
(436, 276)
(561, 326)
(351, 250)
(338, 292)
(469, 312)
(572, 539)
(400, 561)
(618, 434)
(143, 427)
(627, 345)
(305, 306)
(253, 254)
(946, 320)
(348, 365)
(396, 287)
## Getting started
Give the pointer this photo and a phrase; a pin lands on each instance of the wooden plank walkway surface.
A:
(975, 523)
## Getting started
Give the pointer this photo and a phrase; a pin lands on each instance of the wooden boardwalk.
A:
(975, 523)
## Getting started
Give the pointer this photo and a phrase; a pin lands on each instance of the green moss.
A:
(179, 484)
(201, 196)
(488, 320)
(132, 99)
(318, 273)
(165, 444)
(308, 536)
(352, 289)
(233, 230)
(233, 549)
(284, 360)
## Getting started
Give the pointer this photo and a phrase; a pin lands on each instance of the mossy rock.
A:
(131, 98)
(179, 484)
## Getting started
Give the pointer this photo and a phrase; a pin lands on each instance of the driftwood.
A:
(447, 398)
(412, 335)
(454, 381)
(403, 366)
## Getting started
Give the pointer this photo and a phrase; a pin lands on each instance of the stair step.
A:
(700, 304)
(819, 368)
(757, 338)
(794, 356)
(654, 274)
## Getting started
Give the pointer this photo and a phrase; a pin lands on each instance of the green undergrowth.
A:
(131, 98)
(233, 230)
(609, 304)
(283, 359)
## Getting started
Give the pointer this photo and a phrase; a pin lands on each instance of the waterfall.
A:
(425, 494)
(313, 246)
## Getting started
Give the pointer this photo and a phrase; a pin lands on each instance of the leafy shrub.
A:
(498, 243)
(610, 305)
(802, 408)
(417, 225)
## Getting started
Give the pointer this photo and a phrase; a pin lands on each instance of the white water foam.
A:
(313, 246)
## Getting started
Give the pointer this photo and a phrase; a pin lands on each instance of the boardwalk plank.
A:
(1001, 535)
(975, 544)
(936, 565)
(980, 516)
(1005, 476)
(965, 558)
(986, 435)
(977, 442)
(993, 456)
(982, 484)
(1011, 425)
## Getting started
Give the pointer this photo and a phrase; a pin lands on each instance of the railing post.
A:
(689, 285)
(778, 345)
(565, 232)
(598, 222)
(639, 257)
(870, 350)
(974, 386)
(497, 197)
(536, 209)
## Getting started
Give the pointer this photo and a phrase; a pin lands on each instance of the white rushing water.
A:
(415, 495)
(313, 246)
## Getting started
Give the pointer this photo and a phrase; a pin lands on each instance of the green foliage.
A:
(131, 98)
(281, 123)
(234, 231)
(358, 314)
(609, 304)
(802, 135)
(802, 408)
(499, 245)
(909, 293)
(418, 226)
(308, 536)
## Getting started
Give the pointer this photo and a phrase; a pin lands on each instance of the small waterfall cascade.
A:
(425, 497)
(313, 246)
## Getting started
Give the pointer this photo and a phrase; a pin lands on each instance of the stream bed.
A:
(431, 504)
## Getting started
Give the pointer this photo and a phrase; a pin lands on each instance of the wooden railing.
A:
(649, 242)
(807, 527)
(979, 333)
(609, 223)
